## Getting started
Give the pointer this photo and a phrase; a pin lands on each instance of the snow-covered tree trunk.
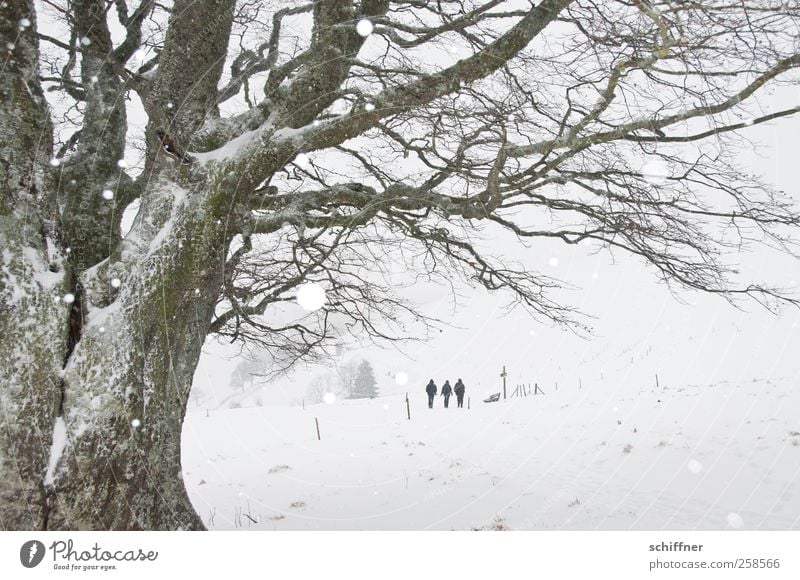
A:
(33, 328)
(102, 348)
(128, 381)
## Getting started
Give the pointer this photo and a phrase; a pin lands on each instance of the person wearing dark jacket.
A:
(447, 390)
(459, 390)
(431, 390)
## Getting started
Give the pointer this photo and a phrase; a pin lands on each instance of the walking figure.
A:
(447, 390)
(431, 390)
(459, 390)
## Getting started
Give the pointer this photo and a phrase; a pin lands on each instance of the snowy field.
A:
(606, 457)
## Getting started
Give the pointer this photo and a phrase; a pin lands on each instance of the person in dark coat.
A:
(431, 390)
(447, 390)
(459, 390)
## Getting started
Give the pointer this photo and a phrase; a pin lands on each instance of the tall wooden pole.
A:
(408, 408)
(504, 374)
(316, 420)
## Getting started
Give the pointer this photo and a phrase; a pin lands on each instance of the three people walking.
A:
(447, 392)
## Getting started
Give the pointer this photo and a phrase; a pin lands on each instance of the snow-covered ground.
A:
(607, 456)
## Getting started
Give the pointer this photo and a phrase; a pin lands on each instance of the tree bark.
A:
(103, 335)
(33, 327)
(128, 380)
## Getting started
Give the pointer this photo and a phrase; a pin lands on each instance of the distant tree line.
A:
(351, 380)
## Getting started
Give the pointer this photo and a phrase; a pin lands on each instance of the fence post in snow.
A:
(467, 402)
(316, 420)
(656, 380)
(408, 407)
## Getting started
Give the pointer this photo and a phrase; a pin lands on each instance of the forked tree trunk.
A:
(127, 382)
(93, 388)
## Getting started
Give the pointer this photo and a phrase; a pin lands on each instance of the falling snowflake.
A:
(108, 194)
(595, 276)
(311, 296)
(401, 378)
(122, 163)
(56, 299)
(616, 409)
(735, 520)
(55, 162)
(364, 27)
(136, 423)
(10, 46)
(68, 298)
(86, 41)
(116, 282)
(93, 79)
(695, 466)
(170, 105)
(140, 54)
(329, 398)
(102, 329)
(385, 406)
(656, 171)
(24, 23)
(532, 333)
(553, 261)
(369, 107)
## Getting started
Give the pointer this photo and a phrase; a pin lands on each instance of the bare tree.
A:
(320, 386)
(296, 143)
(346, 374)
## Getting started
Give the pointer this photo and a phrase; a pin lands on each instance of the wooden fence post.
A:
(316, 420)
(408, 407)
